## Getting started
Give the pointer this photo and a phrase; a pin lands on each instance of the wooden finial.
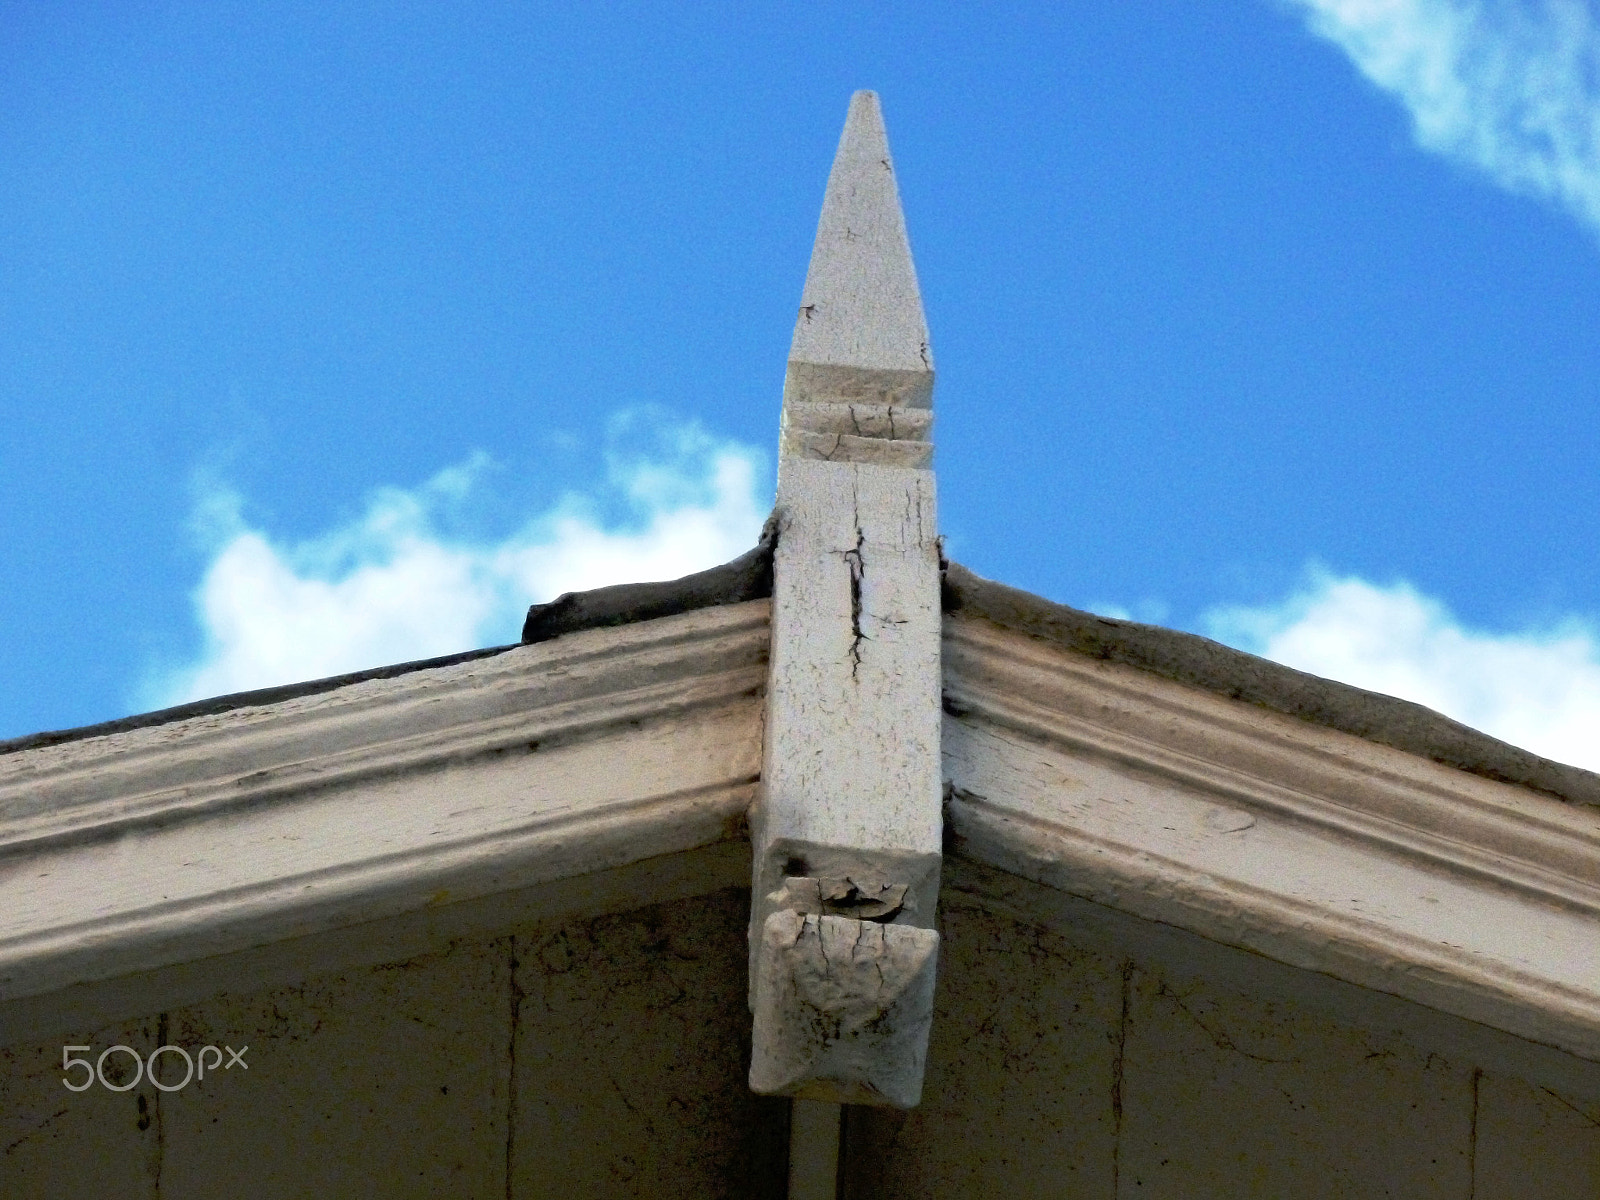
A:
(848, 828)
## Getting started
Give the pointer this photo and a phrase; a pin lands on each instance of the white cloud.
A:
(1509, 87)
(1538, 688)
(390, 586)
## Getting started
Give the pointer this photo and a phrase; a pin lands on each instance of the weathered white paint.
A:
(1341, 947)
(846, 1001)
(1476, 898)
(1314, 847)
(631, 1042)
(1189, 958)
(168, 844)
(604, 1056)
(390, 1082)
(851, 765)
(290, 962)
(1533, 1141)
(78, 1145)
(851, 788)
(861, 334)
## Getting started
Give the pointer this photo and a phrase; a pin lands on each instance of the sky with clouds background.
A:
(334, 335)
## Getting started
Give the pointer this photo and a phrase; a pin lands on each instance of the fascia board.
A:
(1314, 847)
(1198, 662)
(156, 846)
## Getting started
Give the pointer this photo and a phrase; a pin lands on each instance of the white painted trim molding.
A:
(167, 844)
(1316, 848)
(1311, 846)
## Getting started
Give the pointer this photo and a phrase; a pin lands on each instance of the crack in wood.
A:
(1118, 1060)
(858, 571)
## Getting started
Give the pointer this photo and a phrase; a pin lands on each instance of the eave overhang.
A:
(1282, 835)
(209, 835)
(1066, 764)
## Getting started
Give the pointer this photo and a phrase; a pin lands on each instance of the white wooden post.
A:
(847, 830)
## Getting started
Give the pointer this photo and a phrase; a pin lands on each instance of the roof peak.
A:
(861, 333)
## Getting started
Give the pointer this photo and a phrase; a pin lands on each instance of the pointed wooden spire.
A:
(859, 387)
(861, 333)
(847, 830)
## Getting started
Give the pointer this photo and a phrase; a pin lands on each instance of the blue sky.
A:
(334, 334)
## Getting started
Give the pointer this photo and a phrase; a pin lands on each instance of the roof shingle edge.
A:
(748, 577)
(1183, 657)
(1191, 659)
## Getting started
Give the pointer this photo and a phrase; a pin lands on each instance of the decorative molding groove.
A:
(887, 434)
(161, 845)
(1311, 846)
(894, 422)
(1258, 683)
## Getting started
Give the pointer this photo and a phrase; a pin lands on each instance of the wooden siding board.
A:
(1227, 1096)
(1021, 1066)
(1533, 1143)
(632, 1042)
(85, 1145)
(387, 1081)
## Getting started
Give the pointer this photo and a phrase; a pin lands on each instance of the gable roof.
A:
(847, 713)
(647, 701)
(1169, 653)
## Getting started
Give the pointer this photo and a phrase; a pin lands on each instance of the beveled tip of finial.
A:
(861, 333)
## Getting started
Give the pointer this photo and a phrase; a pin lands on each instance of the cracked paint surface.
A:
(842, 1008)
